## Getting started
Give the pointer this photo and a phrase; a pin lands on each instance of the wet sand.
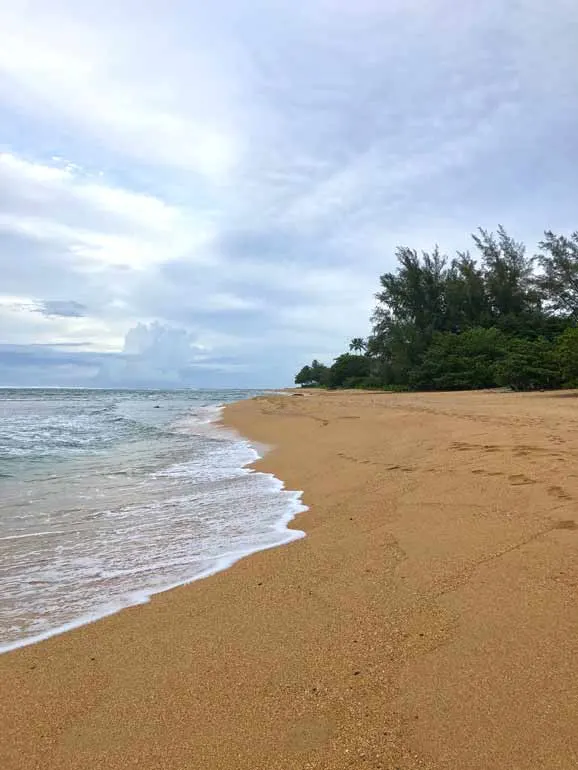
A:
(428, 620)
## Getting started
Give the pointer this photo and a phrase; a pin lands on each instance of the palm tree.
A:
(358, 345)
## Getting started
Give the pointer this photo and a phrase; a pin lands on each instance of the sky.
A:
(205, 194)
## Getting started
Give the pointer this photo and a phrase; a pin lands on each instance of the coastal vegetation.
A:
(491, 317)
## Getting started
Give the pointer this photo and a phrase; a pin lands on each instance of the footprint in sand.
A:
(559, 493)
(519, 479)
(565, 524)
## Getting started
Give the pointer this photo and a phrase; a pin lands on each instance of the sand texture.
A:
(428, 620)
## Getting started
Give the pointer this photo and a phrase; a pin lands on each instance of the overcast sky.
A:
(205, 194)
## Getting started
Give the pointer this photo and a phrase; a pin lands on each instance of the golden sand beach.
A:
(428, 620)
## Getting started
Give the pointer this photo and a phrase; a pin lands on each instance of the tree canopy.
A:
(494, 317)
(313, 375)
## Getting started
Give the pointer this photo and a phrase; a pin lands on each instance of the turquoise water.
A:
(107, 497)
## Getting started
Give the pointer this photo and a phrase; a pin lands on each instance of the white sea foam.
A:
(151, 526)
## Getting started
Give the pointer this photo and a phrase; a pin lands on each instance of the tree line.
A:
(497, 317)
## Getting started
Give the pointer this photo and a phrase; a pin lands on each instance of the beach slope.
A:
(428, 620)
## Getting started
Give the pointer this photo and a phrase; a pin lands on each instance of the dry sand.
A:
(429, 619)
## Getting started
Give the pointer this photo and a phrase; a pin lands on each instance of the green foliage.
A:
(304, 377)
(349, 371)
(461, 361)
(357, 345)
(469, 321)
(414, 295)
(466, 294)
(529, 365)
(508, 274)
(567, 356)
(559, 280)
(314, 375)
(320, 373)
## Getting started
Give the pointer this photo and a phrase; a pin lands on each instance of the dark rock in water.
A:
(156, 406)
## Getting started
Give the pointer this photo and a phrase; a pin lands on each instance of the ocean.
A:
(107, 497)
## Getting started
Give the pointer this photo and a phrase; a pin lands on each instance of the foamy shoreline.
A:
(213, 420)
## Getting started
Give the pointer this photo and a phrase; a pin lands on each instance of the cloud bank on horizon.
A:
(205, 194)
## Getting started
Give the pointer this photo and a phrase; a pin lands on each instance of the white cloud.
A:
(161, 343)
(236, 175)
(229, 301)
(22, 323)
(104, 224)
(113, 78)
